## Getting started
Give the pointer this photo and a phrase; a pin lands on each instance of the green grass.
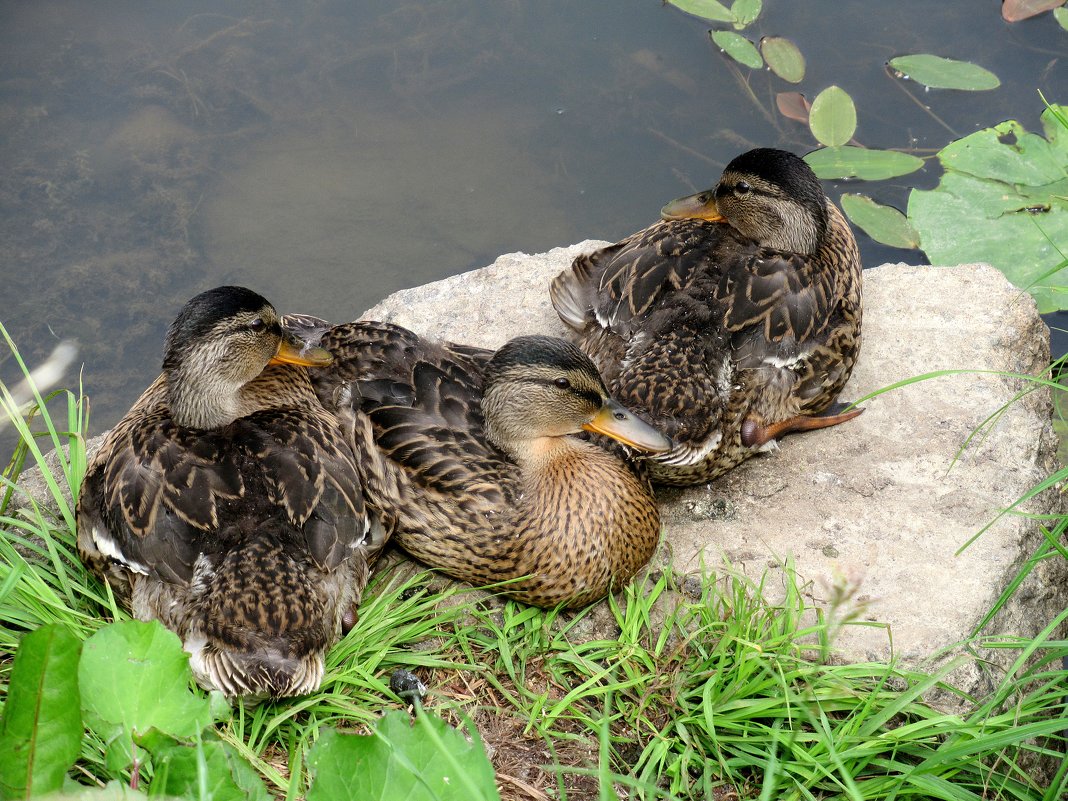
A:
(704, 689)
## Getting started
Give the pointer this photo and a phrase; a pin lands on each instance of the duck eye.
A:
(562, 383)
(257, 325)
(742, 188)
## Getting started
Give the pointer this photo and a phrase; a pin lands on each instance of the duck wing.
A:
(423, 401)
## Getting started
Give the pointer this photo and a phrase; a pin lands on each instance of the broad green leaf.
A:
(884, 224)
(41, 730)
(739, 48)
(705, 9)
(227, 776)
(858, 162)
(945, 73)
(112, 791)
(1016, 10)
(745, 12)
(135, 677)
(833, 117)
(783, 57)
(1061, 15)
(422, 761)
(1004, 200)
(1028, 159)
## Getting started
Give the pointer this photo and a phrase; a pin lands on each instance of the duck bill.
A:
(701, 206)
(617, 422)
(292, 349)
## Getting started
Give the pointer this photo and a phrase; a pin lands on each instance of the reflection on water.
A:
(328, 153)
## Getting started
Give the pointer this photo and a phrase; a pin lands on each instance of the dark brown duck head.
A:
(537, 387)
(767, 195)
(219, 344)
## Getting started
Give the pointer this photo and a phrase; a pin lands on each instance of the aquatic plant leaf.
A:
(227, 776)
(783, 57)
(417, 761)
(739, 48)
(134, 677)
(793, 106)
(1003, 199)
(858, 162)
(833, 117)
(1061, 15)
(1016, 10)
(945, 73)
(41, 728)
(745, 12)
(705, 9)
(884, 224)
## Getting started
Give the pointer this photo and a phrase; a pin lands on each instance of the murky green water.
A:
(329, 153)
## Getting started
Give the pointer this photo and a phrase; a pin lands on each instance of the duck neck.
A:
(202, 403)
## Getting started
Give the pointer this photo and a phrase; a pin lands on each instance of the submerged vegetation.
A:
(706, 689)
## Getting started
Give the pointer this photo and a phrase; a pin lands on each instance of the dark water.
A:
(328, 153)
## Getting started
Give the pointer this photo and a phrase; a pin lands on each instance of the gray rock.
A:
(874, 512)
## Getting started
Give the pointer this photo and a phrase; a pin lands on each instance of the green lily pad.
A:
(134, 677)
(1061, 15)
(833, 117)
(739, 48)
(745, 12)
(1003, 199)
(783, 57)
(1016, 10)
(884, 224)
(705, 9)
(945, 73)
(424, 760)
(858, 162)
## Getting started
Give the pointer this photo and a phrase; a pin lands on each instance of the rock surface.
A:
(879, 507)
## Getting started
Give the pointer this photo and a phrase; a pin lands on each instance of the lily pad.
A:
(833, 117)
(1061, 15)
(1016, 10)
(858, 162)
(745, 12)
(884, 224)
(705, 9)
(783, 57)
(739, 48)
(793, 106)
(1003, 199)
(945, 73)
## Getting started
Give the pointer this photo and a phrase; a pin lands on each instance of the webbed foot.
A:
(756, 434)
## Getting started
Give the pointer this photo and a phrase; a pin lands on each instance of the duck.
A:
(226, 503)
(474, 461)
(733, 320)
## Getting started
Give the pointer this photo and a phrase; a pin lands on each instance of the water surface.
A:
(329, 153)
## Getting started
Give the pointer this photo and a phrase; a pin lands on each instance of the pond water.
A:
(327, 153)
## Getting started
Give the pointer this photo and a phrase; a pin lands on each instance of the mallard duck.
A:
(469, 458)
(732, 321)
(226, 503)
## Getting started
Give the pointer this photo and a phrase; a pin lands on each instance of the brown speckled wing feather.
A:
(163, 493)
(423, 404)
